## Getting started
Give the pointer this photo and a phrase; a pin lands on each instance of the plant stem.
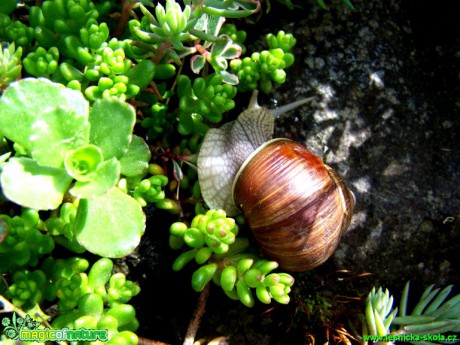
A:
(196, 318)
(124, 18)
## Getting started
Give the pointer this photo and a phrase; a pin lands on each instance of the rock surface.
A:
(387, 119)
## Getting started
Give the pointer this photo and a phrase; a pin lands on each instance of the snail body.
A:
(297, 207)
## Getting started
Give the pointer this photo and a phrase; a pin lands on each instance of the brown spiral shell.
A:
(297, 207)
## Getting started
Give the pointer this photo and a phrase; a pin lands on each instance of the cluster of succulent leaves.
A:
(67, 42)
(264, 68)
(22, 242)
(10, 67)
(94, 300)
(224, 258)
(61, 147)
(432, 314)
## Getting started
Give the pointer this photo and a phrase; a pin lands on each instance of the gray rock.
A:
(387, 119)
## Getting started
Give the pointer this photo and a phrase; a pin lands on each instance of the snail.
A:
(297, 207)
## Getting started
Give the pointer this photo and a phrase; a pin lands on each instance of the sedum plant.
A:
(97, 299)
(264, 68)
(10, 67)
(224, 260)
(21, 241)
(62, 147)
(432, 316)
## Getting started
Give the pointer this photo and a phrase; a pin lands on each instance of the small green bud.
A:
(253, 278)
(178, 229)
(194, 238)
(262, 294)
(271, 279)
(277, 290)
(265, 266)
(283, 299)
(108, 322)
(155, 169)
(91, 304)
(31, 217)
(86, 321)
(124, 338)
(165, 71)
(286, 279)
(169, 205)
(122, 312)
(82, 163)
(244, 265)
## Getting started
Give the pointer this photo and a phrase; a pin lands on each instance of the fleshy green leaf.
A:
(404, 298)
(100, 273)
(56, 131)
(202, 276)
(197, 63)
(221, 45)
(438, 301)
(25, 101)
(31, 185)
(209, 23)
(229, 78)
(105, 178)
(141, 74)
(112, 122)
(110, 224)
(136, 161)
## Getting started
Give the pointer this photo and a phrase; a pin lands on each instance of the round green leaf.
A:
(25, 101)
(112, 122)
(136, 161)
(141, 74)
(31, 185)
(57, 131)
(109, 225)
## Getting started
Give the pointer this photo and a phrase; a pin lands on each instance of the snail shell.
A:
(297, 207)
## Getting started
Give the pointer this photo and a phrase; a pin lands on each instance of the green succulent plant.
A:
(224, 260)
(430, 318)
(10, 64)
(67, 151)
